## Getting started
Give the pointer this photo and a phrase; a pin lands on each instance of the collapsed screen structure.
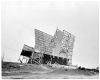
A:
(51, 49)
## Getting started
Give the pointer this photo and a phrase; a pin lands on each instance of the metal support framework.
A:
(59, 48)
(45, 43)
(68, 44)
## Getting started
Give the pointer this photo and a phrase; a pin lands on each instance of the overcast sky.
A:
(18, 20)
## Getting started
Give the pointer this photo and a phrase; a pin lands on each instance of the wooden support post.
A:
(32, 57)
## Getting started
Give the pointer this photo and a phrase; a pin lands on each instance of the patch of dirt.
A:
(33, 71)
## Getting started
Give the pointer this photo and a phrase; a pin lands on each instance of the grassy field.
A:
(32, 71)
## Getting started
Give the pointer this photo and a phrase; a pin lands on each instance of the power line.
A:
(9, 48)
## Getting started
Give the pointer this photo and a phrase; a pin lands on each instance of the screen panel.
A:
(42, 41)
(27, 51)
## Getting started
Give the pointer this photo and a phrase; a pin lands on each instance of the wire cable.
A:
(10, 48)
